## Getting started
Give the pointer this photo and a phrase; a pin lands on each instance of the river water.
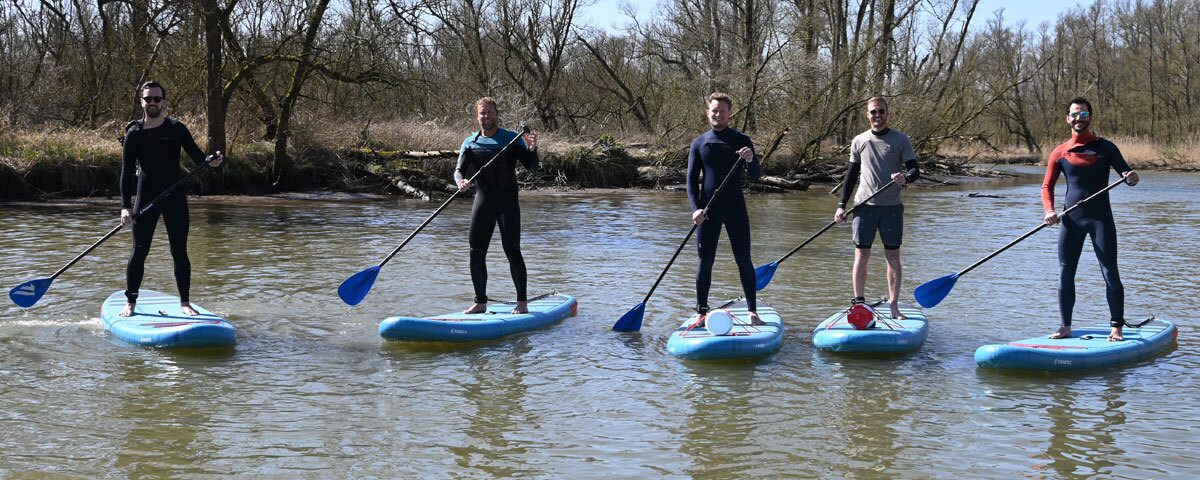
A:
(310, 390)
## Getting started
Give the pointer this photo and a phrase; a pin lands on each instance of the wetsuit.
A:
(154, 154)
(495, 204)
(713, 154)
(1085, 161)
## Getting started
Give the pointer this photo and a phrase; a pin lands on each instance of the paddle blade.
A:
(764, 274)
(932, 292)
(355, 288)
(632, 320)
(28, 293)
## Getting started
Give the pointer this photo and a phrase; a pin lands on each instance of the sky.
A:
(607, 14)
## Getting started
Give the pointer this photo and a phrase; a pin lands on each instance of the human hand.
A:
(699, 217)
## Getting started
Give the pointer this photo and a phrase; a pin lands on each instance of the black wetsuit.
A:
(156, 152)
(495, 204)
(713, 154)
(1085, 161)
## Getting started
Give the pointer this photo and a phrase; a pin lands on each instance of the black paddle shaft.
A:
(524, 130)
(737, 165)
(1039, 227)
(138, 214)
(831, 224)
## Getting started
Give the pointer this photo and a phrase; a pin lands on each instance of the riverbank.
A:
(50, 165)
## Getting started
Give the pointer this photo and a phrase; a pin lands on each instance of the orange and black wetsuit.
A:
(1085, 161)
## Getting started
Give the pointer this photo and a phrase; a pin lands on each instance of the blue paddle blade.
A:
(764, 274)
(632, 320)
(355, 288)
(28, 293)
(932, 292)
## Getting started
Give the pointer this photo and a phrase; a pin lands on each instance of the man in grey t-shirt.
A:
(877, 156)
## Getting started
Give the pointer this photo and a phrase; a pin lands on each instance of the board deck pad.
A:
(497, 322)
(743, 340)
(1087, 348)
(888, 335)
(158, 321)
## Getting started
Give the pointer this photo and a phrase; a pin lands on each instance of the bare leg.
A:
(128, 310)
(477, 308)
(859, 278)
(188, 310)
(1116, 335)
(894, 275)
(522, 307)
(1063, 332)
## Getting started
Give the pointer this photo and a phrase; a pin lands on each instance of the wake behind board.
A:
(888, 335)
(158, 321)
(743, 339)
(1087, 348)
(495, 323)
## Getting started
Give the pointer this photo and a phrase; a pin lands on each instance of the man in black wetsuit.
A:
(1085, 160)
(153, 144)
(714, 153)
(495, 198)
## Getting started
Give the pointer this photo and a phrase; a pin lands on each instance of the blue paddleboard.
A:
(742, 340)
(888, 335)
(495, 323)
(1087, 348)
(158, 321)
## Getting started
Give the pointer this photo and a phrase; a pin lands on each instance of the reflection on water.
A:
(310, 390)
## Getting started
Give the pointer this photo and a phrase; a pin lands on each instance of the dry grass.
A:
(1142, 152)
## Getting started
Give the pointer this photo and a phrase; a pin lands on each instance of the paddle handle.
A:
(736, 165)
(524, 130)
(138, 214)
(831, 224)
(1040, 227)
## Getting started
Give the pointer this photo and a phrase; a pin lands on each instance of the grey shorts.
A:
(888, 220)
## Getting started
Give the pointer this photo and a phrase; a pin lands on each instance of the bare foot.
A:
(127, 311)
(1063, 332)
(896, 312)
(699, 323)
(755, 320)
(477, 308)
(1116, 335)
(188, 310)
(522, 307)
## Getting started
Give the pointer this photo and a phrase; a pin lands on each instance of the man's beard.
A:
(153, 112)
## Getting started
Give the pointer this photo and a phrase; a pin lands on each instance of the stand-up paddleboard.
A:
(495, 323)
(737, 338)
(158, 321)
(1087, 348)
(887, 335)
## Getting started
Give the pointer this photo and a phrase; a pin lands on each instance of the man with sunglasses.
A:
(1085, 160)
(877, 156)
(151, 149)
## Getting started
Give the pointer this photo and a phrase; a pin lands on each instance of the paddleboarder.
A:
(877, 156)
(1084, 161)
(714, 153)
(495, 198)
(151, 148)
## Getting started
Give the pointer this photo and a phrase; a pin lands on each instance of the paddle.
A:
(932, 292)
(765, 273)
(632, 320)
(27, 294)
(355, 288)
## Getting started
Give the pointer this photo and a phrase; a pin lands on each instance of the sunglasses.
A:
(153, 99)
(1079, 115)
(877, 112)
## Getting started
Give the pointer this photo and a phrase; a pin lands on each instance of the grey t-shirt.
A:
(880, 156)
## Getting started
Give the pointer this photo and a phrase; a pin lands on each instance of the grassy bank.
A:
(380, 158)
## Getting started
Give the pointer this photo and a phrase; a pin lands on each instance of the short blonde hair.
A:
(877, 99)
(720, 96)
(487, 100)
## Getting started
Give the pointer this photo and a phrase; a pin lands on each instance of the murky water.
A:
(310, 390)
